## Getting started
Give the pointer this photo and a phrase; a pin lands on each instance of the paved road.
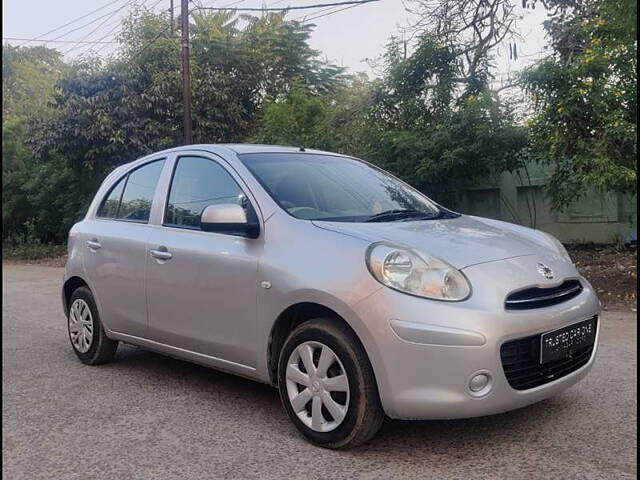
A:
(147, 416)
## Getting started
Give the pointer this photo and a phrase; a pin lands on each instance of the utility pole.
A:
(186, 85)
(173, 25)
(404, 42)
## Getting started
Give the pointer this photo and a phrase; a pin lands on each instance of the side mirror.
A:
(228, 218)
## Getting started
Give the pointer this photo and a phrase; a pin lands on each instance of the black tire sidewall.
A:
(84, 294)
(343, 347)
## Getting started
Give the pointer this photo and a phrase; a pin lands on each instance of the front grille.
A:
(543, 297)
(521, 362)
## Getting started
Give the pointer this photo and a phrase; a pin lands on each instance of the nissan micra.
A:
(354, 294)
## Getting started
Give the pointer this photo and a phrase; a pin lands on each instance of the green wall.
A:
(520, 198)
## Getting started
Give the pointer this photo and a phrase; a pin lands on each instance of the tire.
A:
(100, 349)
(364, 414)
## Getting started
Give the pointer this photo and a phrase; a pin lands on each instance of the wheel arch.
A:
(71, 285)
(293, 316)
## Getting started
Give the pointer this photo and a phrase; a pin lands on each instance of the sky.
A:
(346, 38)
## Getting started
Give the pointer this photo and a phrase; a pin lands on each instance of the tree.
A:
(109, 112)
(299, 119)
(469, 31)
(332, 121)
(425, 130)
(585, 98)
(29, 75)
(112, 113)
(29, 79)
(415, 121)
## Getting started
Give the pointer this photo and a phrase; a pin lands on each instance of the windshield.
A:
(325, 187)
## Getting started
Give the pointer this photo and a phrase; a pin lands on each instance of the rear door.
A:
(202, 286)
(116, 249)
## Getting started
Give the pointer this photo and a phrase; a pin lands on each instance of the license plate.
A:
(564, 342)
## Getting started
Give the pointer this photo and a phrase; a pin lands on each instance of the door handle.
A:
(94, 244)
(161, 254)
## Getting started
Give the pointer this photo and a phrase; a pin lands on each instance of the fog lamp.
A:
(480, 384)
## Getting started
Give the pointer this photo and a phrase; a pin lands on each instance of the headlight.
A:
(417, 274)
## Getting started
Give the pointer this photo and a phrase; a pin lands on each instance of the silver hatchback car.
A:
(353, 293)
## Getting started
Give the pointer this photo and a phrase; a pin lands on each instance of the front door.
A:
(202, 286)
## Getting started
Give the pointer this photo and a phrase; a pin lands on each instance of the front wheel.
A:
(327, 385)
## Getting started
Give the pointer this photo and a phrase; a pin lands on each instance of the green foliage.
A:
(37, 201)
(27, 246)
(414, 121)
(431, 117)
(28, 79)
(46, 195)
(15, 152)
(584, 98)
(452, 149)
(429, 131)
(300, 119)
(110, 114)
(333, 122)
(96, 115)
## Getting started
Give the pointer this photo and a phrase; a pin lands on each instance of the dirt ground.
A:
(613, 272)
(43, 262)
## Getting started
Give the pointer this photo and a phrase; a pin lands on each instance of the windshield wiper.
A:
(396, 215)
(444, 214)
(392, 215)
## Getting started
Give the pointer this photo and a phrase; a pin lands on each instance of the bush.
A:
(26, 246)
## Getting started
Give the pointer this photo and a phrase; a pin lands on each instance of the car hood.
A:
(462, 241)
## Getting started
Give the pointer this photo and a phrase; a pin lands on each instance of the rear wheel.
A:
(327, 385)
(88, 339)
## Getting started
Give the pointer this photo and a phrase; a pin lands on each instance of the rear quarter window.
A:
(110, 203)
(132, 197)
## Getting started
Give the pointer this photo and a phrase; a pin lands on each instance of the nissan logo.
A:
(545, 271)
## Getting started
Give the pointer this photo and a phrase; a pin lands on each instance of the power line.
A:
(108, 14)
(74, 20)
(330, 13)
(98, 27)
(162, 32)
(305, 15)
(110, 32)
(56, 39)
(48, 40)
(151, 42)
(318, 15)
(284, 9)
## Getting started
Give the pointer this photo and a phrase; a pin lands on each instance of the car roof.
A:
(237, 148)
(241, 148)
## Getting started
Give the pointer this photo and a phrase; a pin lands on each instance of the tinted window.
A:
(325, 187)
(138, 192)
(197, 183)
(109, 207)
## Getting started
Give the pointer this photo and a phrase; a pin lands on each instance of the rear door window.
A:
(138, 192)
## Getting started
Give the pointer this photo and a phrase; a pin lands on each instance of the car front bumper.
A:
(424, 353)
